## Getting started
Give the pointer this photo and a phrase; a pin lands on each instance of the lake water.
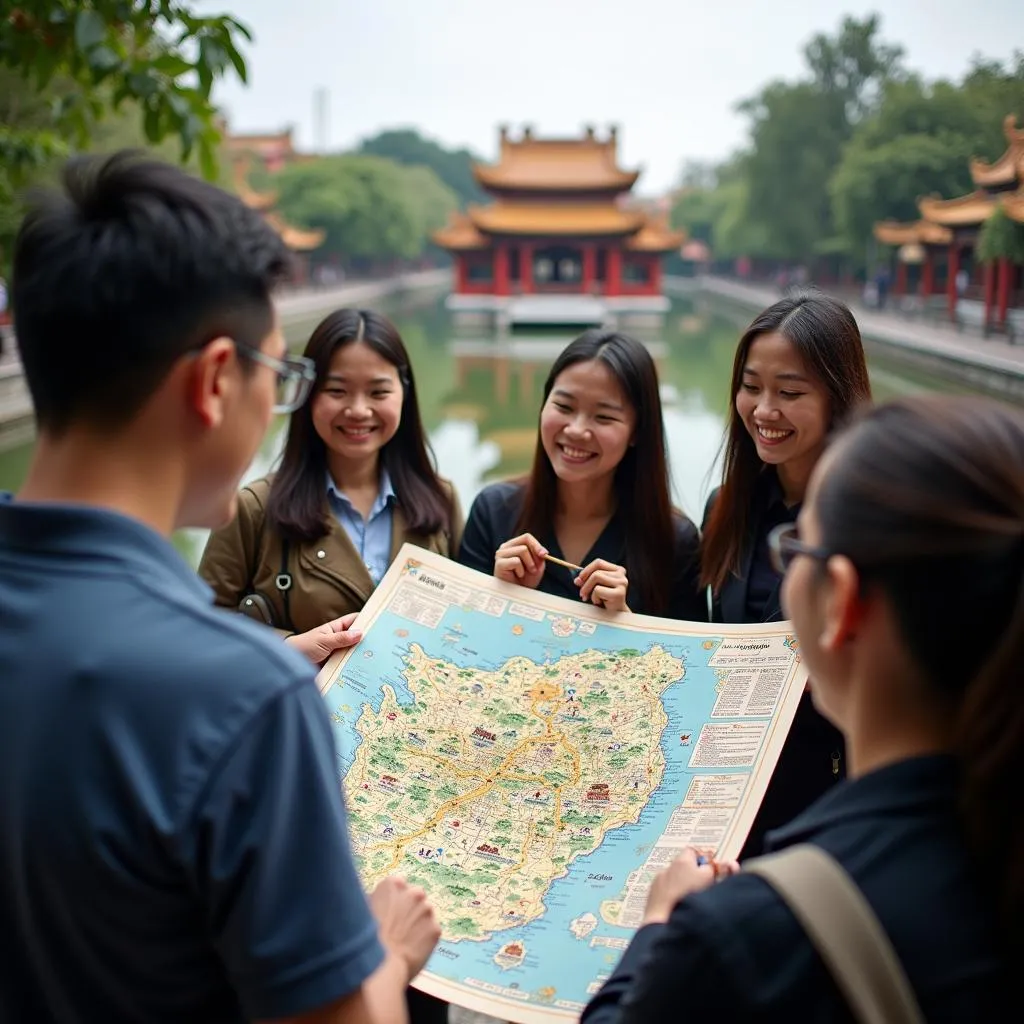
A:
(480, 397)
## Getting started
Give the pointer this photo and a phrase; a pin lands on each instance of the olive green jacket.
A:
(243, 560)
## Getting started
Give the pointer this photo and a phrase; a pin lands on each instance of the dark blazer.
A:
(492, 521)
(736, 953)
(813, 758)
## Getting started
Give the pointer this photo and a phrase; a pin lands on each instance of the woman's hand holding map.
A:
(522, 560)
(690, 872)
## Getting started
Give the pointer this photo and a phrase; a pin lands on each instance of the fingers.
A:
(343, 622)
(604, 583)
(339, 641)
(520, 559)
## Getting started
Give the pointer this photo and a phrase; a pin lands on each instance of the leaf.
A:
(238, 61)
(90, 30)
(207, 160)
(103, 60)
(172, 65)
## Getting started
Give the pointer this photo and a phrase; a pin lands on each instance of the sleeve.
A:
(274, 869)
(478, 541)
(228, 564)
(669, 972)
(689, 600)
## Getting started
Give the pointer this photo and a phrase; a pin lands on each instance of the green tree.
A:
(918, 142)
(1001, 238)
(158, 53)
(373, 210)
(454, 167)
(799, 130)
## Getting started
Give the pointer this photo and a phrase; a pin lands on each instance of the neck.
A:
(586, 499)
(81, 468)
(793, 477)
(886, 733)
(350, 475)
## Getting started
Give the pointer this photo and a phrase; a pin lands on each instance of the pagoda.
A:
(945, 237)
(274, 152)
(561, 241)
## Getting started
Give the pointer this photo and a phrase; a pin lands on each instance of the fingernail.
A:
(577, 580)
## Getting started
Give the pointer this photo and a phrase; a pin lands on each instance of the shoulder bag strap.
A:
(283, 583)
(845, 931)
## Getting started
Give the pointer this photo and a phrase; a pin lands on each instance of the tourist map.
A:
(532, 762)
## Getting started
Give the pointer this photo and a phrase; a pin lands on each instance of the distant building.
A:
(562, 225)
(273, 152)
(944, 240)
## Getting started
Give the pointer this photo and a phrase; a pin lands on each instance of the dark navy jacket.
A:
(736, 953)
(492, 521)
(813, 758)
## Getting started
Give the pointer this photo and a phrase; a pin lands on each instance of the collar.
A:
(385, 495)
(897, 789)
(99, 535)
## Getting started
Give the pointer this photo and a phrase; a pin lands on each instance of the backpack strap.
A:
(844, 930)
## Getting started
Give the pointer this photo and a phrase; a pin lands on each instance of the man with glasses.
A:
(173, 844)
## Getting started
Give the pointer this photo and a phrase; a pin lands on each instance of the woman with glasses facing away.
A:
(799, 370)
(310, 542)
(905, 585)
(597, 498)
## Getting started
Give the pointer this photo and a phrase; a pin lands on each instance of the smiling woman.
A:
(597, 495)
(356, 481)
(799, 370)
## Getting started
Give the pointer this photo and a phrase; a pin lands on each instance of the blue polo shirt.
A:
(173, 843)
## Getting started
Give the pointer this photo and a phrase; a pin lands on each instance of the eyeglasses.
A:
(296, 376)
(784, 545)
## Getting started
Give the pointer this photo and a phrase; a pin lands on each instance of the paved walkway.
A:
(967, 348)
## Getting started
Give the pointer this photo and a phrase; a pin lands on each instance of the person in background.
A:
(356, 481)
(799, 370)
(173, 842)
(598, 495)
(905, 585)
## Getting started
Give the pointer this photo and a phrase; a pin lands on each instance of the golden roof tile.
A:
(919, 232)
(1009, 168)
(964, 211)
(297, 239)
(459, 233)
(1013, 205)
(656, 236)
(586, 164)
(556, 219)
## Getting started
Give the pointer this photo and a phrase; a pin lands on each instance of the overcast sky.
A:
(669, 72)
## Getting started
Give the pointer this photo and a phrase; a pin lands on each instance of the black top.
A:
(813, 758)
(492, 521)
(736, 953)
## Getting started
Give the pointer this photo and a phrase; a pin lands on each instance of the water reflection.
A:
(480, 398)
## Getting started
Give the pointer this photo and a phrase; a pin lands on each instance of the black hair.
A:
(296, 506)
(132, 265)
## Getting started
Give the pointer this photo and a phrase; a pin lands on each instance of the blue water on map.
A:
(555, 960)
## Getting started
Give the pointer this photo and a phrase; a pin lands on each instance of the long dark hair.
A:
(641, 478)
(296, 507)
(827, 339)
(926, 497)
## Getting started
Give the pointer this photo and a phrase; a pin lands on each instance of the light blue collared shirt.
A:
(371, 537)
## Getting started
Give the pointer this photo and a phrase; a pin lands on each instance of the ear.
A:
(211, 379)
(844, 609)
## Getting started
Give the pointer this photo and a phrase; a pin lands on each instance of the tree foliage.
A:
(855, 140)
(372, 209)
(454, 167)
(158, 53)
(1001, 238)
